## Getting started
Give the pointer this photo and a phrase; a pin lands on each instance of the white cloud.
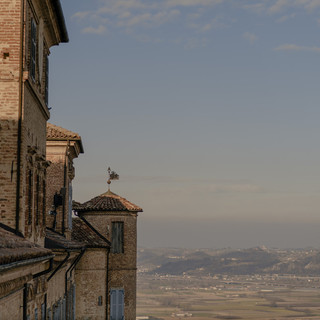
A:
(286, 17)
(255, 7)
(91, 30)
(294, 47)
(132, 16)
(191, 3)
(278, 6)
(251, 37)
(81, 14)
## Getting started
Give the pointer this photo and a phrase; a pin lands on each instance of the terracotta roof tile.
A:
(108, 201)
(55, 132)
(14, 249)
(58, 133)
(82, 232)
(55, 240)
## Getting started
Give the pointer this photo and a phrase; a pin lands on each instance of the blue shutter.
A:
(74, 302)
(120, 304)
(117, 304)
(43, 311)
(63, 309)
(113, 304)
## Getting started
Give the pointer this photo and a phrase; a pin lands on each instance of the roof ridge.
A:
(107, 201)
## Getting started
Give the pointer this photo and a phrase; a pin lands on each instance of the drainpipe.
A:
(72, 266)
(25, 301)
(63, 228)
(60, 265)
(19, 138)
(107, 284)
(25, 292)
(108, 251)
(45, 271)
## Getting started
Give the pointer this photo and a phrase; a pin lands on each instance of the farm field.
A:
(266, 297)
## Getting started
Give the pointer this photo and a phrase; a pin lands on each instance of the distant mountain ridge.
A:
(259, 260)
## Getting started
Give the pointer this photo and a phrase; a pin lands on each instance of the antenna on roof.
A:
(112, 176)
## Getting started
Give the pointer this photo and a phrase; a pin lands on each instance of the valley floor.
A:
(257, 297)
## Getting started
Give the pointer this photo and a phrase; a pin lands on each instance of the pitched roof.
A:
(55, 133)
(54, 240)
(108, 201)
(82, 232)
(14, 249)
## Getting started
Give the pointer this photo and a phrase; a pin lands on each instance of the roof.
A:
(56, 133)
(108, 201)
(54, 240)
(15, 249)
(88, 235)
(61, 21)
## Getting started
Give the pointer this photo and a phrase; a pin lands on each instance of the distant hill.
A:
(259, 260)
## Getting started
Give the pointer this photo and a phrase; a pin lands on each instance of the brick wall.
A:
(91, 284)
(34, 115)
(9, 98)
(122, 265)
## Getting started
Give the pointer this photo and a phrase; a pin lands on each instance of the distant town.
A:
(166, 290)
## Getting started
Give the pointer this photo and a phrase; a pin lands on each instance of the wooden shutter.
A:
(43, 311)
(117, 304)
(121, 304)
(117, 237)
(113, 304)
(33, 51)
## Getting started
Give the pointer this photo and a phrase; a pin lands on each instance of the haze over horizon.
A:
(207, 109)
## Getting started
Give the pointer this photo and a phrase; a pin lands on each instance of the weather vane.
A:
(112, 176)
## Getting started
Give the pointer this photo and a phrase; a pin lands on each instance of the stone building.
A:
(28, 29)
(92, 272)
(47, 267)
(63, 146)
(115, 218)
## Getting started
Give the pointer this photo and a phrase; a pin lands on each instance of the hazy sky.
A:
(207, 109)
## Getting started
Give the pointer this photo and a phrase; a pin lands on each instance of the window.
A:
(47, 81)
(37, 199)
(70, 207)
(44, 202)
(117, 237)
(33, 51)
(117, 304)
(30, 196)
(43, 311)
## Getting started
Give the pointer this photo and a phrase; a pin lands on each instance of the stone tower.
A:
(116, 219)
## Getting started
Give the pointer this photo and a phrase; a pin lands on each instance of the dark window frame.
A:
(46, 90)
(37, 199)
(30, 187)
(117, 237)
(33, 50)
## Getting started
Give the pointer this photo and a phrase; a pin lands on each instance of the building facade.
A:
(28, 29)
(115, 218)
(49, 261)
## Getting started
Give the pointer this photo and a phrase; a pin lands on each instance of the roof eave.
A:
(64, 37)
